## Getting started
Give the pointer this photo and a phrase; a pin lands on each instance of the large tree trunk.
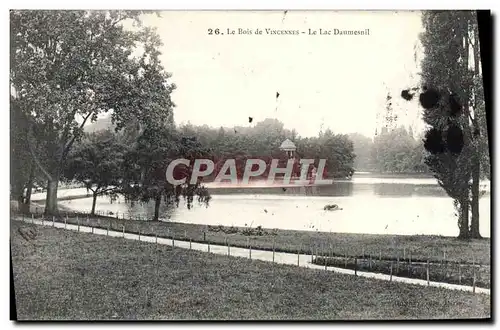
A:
(476, 163)
(474, 228)
(157, 207)
(94, 200)
(25, 208)
(51, 201)
(463, 220)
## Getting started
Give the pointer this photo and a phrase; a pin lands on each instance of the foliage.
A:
(97, 162)
(67, 67)
(146, 164)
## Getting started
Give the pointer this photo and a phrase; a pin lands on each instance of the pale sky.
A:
(339, 81)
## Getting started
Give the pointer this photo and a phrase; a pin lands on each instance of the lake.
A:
(370, 204)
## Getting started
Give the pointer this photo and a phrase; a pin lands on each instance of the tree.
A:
(146, 164)
(69, 66)
(97, 162)
(452, 102)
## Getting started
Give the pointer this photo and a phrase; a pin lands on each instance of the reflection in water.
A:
(407, 206)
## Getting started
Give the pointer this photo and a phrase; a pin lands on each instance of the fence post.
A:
(428, 282)
(78, 222)
(204, 236)
(250, 250)
(473, 274)
(363, 252)
(274, 241)
(173, 239)
(459, 274)
(325, 262)
(345, 260)
(65, 222)
(380, 255)
(390, 279)
(404, 253)
(32, 218)
(123, 230)
(370, 261)
(228, 248)
(92, 229)
(312, 256)
(356, 266)
(298, 257)
(107, 230)
(397, 265)
(190, 243)
(139, 234)
(208, 246)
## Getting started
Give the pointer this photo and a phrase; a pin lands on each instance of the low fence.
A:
(471, 274)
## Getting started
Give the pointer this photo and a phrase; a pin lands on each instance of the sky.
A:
(324, 81)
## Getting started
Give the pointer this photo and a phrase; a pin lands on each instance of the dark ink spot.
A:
(455, 107)
(429, 98)
(250, 119)
(235, 130)
(284, 189)
(455, 139)
(433, 141)
(407, 95)
(277, 94)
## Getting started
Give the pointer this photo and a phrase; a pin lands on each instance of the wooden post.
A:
(139, 235)
(65, 222)
(380, 255)
(78, 222)
(312, 255)
(298, 257)
(185, 234)
(397, 265)
(156, 238)
(228, 248)
(208, 246)
(428, 282)
(190, 243)
(173, 239)
(345, 260)
(273, 249)
(390, 279)
(363, 252)
(204, 236)
(473, 274)
(459, 274)
(250, 251)
(356, 266)
(370, 261)
(107, 230)
(32, 218)
(92, 229)
(325, 262)
(123, 230)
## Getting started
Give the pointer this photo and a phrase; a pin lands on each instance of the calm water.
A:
(397, 205)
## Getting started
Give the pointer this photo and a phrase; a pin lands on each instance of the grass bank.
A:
(66, 275)
(417, 248)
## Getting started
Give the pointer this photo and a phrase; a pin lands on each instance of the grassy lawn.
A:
(388, 247)
(66, 275)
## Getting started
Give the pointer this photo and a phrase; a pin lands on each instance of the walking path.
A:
(302, 260)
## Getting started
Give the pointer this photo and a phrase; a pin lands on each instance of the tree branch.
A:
(70, 143)
(33, 154)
